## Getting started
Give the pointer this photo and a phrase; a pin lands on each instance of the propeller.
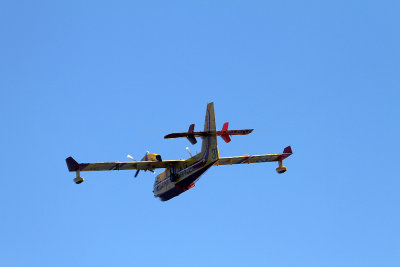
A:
(136, 174)
(144, 158)
(188, 150)
(130, 157)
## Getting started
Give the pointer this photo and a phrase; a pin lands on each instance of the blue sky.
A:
(98, 80)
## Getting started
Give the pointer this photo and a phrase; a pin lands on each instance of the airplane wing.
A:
(110, 166)
(248, 159)
(255, 158)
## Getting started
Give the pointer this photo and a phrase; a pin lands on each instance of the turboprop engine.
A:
(147, 157)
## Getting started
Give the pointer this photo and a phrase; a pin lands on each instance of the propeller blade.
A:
(137, 172)
(188, 150)
(130, 157)
(145, 156)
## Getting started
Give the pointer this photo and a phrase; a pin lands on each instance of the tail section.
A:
(209, 148)
(209, 124)
(190, 136)
(209, 128)
(224, 133)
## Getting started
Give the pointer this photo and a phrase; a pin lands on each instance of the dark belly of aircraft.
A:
(180, 186)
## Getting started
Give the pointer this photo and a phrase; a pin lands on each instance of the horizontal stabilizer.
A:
(235, 132)
(199, 134)
(224, 133)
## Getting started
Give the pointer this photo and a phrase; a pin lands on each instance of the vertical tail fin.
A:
(209, 124)
(209, 147)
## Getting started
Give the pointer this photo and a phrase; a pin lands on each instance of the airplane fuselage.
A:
(181, 177)
(168, 188)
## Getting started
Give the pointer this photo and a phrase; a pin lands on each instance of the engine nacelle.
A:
(152, 157)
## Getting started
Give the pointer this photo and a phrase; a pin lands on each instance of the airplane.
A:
(181, 175)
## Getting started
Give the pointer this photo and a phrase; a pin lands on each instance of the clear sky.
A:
(97, 80)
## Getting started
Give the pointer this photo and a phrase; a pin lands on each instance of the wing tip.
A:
(288, 150)
(72, 164)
